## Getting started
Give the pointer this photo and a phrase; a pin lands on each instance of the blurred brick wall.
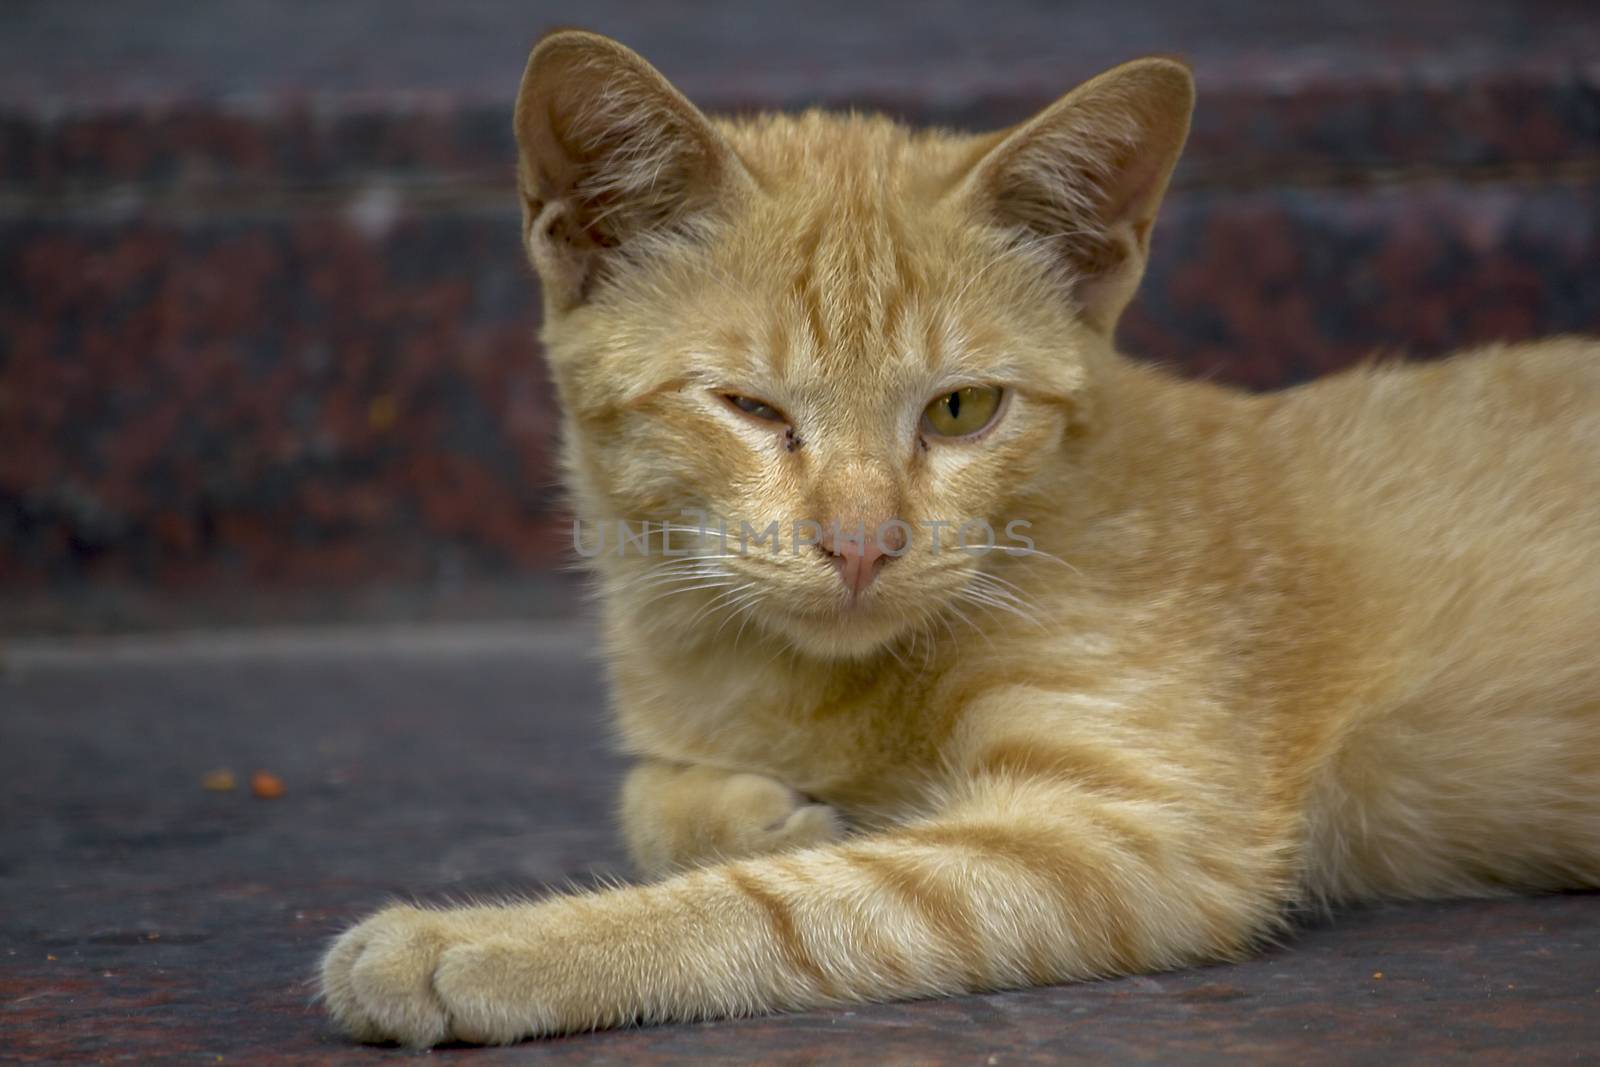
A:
(266, 335)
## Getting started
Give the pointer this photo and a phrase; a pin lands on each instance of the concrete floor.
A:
(146, 919)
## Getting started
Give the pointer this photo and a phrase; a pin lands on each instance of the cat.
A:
(1246, 654)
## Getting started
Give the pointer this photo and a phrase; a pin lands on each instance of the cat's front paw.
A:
(377, 979)
(421, 977)
(675, 817)
(763, 815)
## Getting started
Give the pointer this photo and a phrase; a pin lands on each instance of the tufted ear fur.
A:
(610, 156)
(1082, 180)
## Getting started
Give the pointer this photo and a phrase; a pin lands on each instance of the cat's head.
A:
(830, 320)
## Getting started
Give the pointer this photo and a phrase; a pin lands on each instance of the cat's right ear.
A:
(610, 155)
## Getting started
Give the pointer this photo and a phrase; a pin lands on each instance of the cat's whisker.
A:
(924, 633)
(988, 576)
(650, 576)
(750, 595)
(674, 568)
(679, 581)
(914, 642)
(1019, 550)
(664, 594)
(1011, 594)
(990, 604)
(678, 558)
(683, 574)
(1008, 601)
(716, 603)
(889, 648)
(784, 645)
(736, 604)
(979, 584)
(690, 584)
(964, 617)
(749, 617)
(710, 533)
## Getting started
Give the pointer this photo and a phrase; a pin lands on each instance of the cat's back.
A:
(1463, 490)
(1495, 451)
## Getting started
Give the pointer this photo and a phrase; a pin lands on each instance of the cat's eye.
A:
(756, 409)
(962, 412)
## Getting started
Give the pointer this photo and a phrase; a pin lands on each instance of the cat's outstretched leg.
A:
(1027, 877)
(676, 816)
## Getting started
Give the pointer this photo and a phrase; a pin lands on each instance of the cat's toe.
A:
(337, 991)
(772, 816)
(756, 803)
(811, 824)
(377, 979)
(496, 991)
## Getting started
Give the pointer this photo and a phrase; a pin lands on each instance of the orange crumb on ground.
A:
(266, 785)
(219, 781)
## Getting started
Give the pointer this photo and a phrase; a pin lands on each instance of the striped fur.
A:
(1329, 645)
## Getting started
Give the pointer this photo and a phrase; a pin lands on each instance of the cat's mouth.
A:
(853, 608)
(819, 615)
(852, 632)
(854, 626)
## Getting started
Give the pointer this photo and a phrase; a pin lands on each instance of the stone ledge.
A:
(266, 334)
(231, 96)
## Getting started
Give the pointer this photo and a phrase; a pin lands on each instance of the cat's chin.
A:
(844, 635)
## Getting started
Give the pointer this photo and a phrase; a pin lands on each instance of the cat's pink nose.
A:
(858, 555)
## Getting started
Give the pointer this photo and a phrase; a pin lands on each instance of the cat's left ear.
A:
(1084, 178)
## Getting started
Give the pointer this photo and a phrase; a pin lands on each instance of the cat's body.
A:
(1386, 614)
(1328, 644)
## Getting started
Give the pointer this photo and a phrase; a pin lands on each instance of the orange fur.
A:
(1330, 644)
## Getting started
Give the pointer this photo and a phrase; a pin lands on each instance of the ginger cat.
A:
(1257, 652)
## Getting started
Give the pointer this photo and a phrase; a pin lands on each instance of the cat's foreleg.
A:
(1022, 879)
(676, 816)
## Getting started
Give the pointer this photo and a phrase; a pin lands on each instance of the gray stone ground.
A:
(145, 919)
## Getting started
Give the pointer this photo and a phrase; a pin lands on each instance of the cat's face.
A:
(858, 351)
